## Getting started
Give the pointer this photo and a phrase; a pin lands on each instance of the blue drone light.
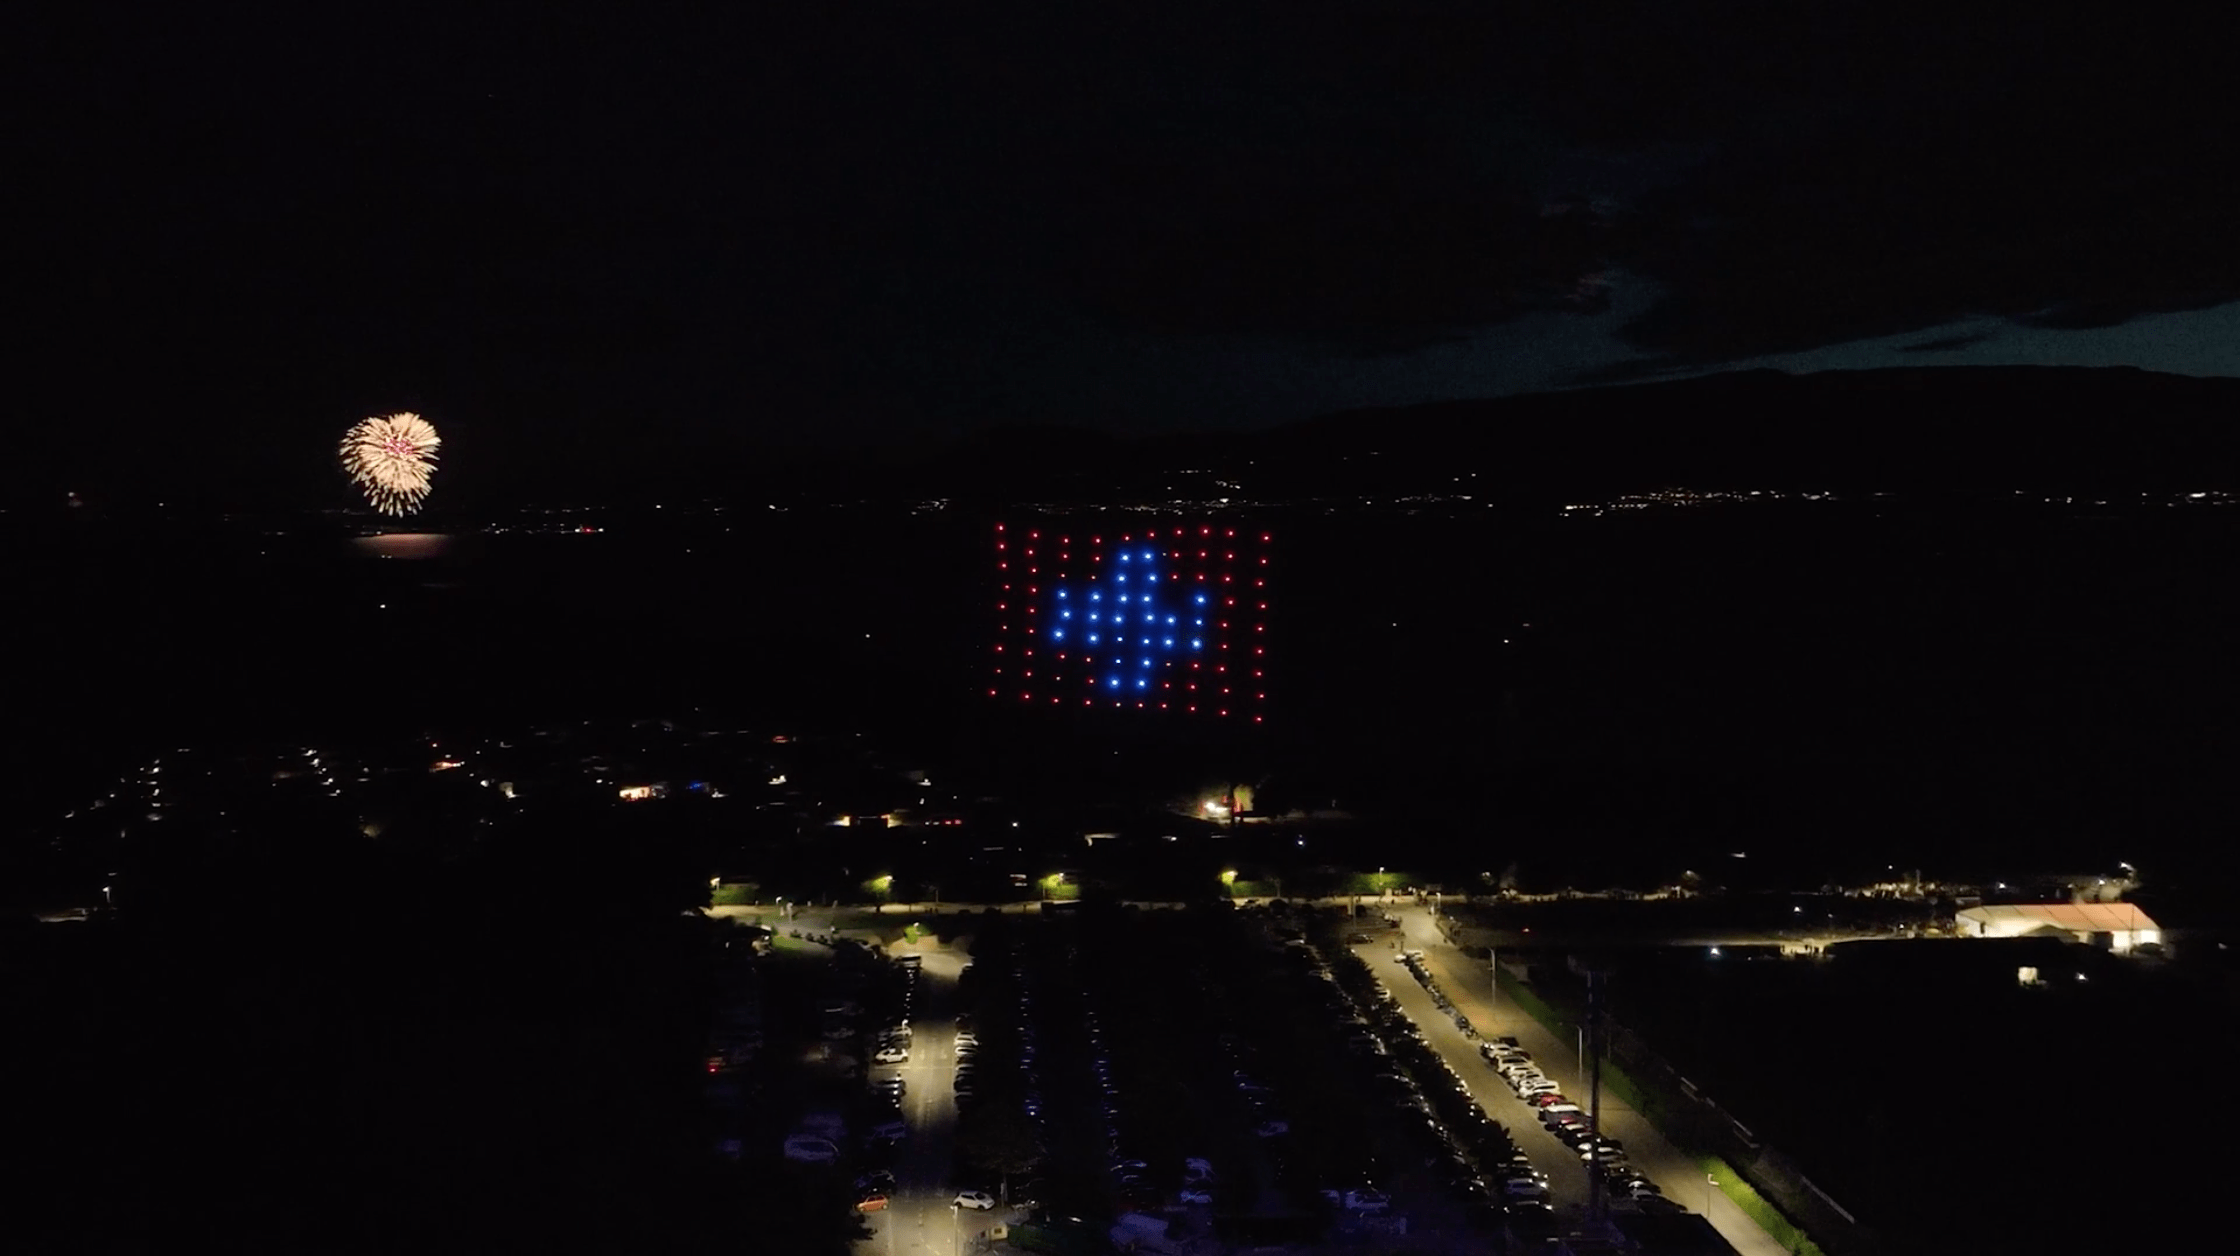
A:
(1152, 648)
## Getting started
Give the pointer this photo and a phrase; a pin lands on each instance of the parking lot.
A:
(1190, 1070)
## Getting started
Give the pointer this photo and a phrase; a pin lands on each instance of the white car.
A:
(977, 1201)
(1271, 1129)
(891, 1055)
(1368, 1201)
(1194, 1195)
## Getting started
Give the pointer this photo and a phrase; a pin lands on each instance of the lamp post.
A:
(956, 1232)
(1708, 1182)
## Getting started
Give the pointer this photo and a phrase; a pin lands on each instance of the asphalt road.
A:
(1466, 983)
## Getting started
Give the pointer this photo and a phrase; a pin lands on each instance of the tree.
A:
(999, 1137)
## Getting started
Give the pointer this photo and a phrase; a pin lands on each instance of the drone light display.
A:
(1153, 619)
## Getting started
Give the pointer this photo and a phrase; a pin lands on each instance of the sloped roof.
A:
(2080, 917)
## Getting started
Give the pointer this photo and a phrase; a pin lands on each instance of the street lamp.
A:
(1493, 984)
(1708, 1182)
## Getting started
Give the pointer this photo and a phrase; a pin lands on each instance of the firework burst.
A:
(391, 458)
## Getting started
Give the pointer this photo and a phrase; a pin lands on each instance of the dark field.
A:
(1832, 686)
(1948, 1108)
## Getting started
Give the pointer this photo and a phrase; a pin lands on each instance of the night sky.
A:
(589, 242)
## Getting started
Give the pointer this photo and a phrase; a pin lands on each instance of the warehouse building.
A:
(2116, 927)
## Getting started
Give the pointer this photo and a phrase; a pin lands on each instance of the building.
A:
(2116, 927)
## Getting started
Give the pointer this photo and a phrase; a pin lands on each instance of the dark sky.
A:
(584, 240)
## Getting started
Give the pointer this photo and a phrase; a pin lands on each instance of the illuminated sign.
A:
(1157, 619)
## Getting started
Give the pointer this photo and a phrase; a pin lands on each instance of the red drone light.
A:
(1119, 632)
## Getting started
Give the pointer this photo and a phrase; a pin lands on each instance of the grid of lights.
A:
(1154, 619)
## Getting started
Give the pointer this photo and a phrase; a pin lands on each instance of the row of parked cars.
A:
(1478, 1162)
(1574, 1127)
(890, 1036)
(999, 1056)
(1521, 1186)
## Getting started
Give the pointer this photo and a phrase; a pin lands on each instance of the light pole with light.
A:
(1708, 1182)
(1493, 984)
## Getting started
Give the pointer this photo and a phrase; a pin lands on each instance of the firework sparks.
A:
(391, 458)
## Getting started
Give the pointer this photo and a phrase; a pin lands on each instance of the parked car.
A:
(977, 1201)
(891, 1055)
(1368, 1201)
(811, 1149)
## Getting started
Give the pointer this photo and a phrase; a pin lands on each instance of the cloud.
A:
(2058, 172)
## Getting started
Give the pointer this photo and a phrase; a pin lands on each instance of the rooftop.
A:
(2088, 917)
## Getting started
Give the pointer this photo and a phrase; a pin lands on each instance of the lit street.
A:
(1465, 982)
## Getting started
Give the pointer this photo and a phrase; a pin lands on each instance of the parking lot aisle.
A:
(1567, 1178)
(1464, 980)
(918, 1220)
